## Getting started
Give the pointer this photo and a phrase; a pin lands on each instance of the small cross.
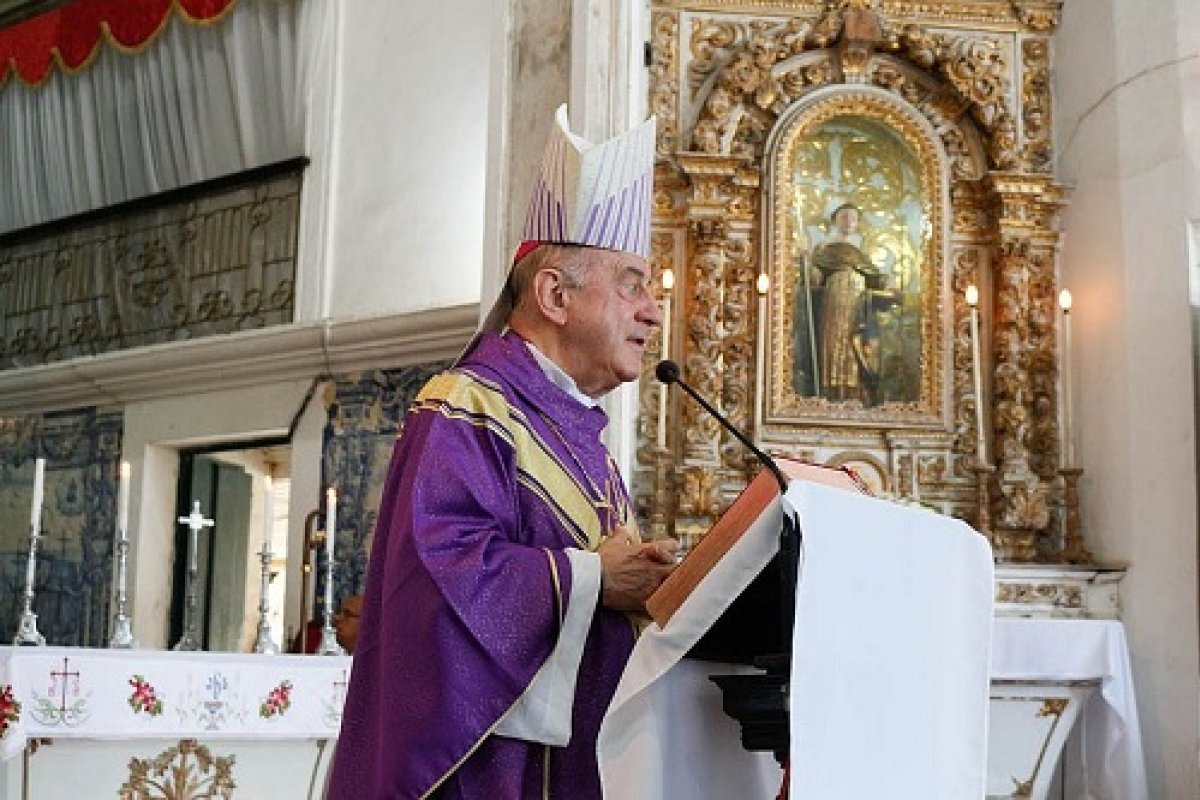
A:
(195, 520)
(66, 673)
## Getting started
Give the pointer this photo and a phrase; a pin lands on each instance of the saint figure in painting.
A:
(843, 277)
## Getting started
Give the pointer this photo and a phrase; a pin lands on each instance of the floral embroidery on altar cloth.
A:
(144, 697)
(10, 710)
(278, 701)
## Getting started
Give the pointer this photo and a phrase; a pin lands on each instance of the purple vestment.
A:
(495, 475)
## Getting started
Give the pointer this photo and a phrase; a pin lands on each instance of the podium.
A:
(887, 689)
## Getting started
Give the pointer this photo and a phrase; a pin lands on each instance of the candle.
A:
(330, 520)
(268, 513)
(35, 512)
(123, 502)
(981, 441)
(1065, 302)
(668, 283)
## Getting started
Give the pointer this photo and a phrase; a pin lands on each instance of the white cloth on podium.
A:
(664, 736)
(1104, 752)
(889, 688)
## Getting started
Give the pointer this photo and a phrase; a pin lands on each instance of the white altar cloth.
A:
(78, 693)
(889, 687)
(1107, 739)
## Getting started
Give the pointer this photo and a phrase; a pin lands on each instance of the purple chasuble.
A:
(496, 473)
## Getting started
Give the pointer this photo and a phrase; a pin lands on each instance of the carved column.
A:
(740, 323)
(702, 342)
(1025, 363)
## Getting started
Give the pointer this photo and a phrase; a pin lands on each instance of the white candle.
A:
(330, 520)
(981, 441)
(668, 283)
(123, 502)
(268, 513)
(35, 511)
(1068, 458)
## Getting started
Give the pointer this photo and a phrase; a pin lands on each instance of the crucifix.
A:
(196, 522)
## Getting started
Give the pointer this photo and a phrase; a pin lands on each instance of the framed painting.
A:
(855, 248)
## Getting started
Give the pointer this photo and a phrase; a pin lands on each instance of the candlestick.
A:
(1068, 459)
(196, 522)
(329, 644)
(668, 283)
(27, 631)
(122, 635)
(263, 641)
(981, 440)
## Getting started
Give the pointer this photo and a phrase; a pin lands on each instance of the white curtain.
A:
(200, 102)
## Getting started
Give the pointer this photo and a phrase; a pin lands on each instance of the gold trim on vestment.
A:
(462, 395)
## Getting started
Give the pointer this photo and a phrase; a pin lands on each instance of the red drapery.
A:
(70, 35)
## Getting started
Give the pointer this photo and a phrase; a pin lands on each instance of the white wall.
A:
(1124, 145)
(408, 130)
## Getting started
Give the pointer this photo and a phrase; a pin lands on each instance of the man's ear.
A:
(549, 292)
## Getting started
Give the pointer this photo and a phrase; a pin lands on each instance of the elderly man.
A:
(506, 571)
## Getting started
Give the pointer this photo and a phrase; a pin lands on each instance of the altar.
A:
(97, 723)
(109, 723)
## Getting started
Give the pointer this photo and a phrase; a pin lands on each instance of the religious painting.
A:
(854, 209)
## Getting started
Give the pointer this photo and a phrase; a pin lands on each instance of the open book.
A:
(744, 510)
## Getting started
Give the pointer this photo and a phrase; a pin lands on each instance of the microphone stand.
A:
(760, 702)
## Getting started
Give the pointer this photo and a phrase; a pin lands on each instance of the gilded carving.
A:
(1055, 595)
(186, 771)
(710, 39)
(1042, 16)
(1053, 706)
(967, 84)
(664, 80)
(1009, 15)
(704, 318)
(1035, 104)
(699, 496)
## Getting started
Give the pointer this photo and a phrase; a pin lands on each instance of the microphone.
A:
(667, 372)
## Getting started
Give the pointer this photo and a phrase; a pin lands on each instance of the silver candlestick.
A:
(196, 522)
(263, 643)
(27, 630)
(329, 644)
(122, 635)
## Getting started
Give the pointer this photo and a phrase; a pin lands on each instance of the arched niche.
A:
(856, 213)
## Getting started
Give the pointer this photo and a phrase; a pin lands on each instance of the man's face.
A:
(609, 320)
(846, 220)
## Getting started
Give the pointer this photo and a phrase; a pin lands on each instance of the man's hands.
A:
(630, 571)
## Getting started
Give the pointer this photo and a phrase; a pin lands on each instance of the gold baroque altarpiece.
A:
(872, 159)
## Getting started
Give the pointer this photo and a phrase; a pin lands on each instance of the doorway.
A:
(229, 484)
